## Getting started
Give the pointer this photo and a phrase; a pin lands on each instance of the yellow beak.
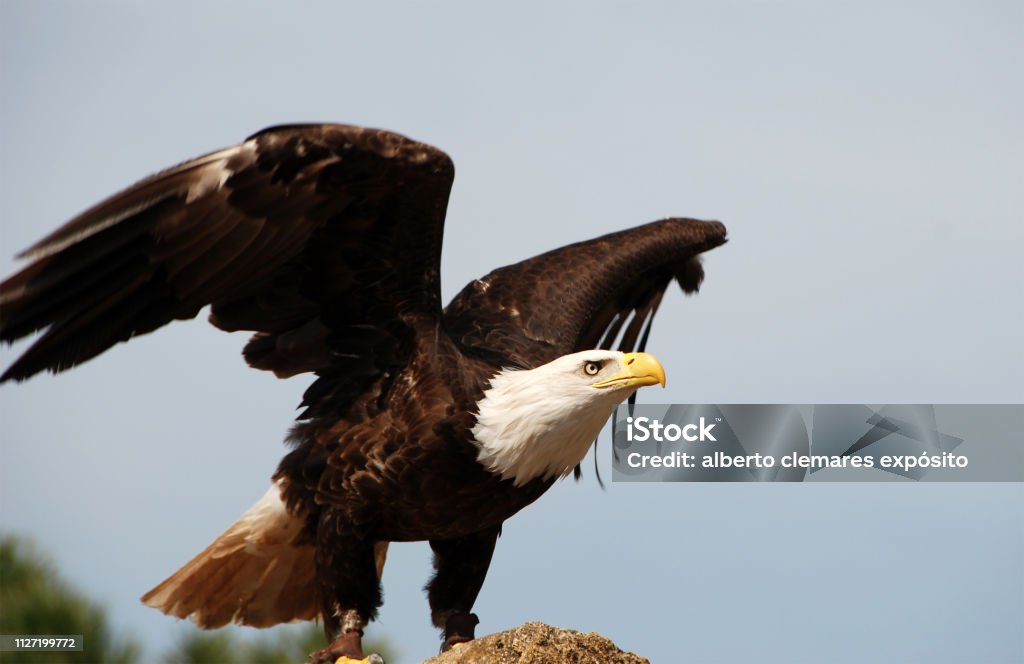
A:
(641, 369)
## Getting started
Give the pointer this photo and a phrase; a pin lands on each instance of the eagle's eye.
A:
(592, 368)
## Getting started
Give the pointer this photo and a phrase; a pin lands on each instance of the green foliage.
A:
(34, 600)
(288, 644)
(228, 647)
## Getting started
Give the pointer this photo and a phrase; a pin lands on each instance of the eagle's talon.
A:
(346, 649)
(447, 646)
(460, 627)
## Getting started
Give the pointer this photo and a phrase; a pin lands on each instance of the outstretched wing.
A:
(585, 295)
(325, 240)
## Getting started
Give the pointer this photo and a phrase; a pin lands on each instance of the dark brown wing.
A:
(323, 239)
(585, 295)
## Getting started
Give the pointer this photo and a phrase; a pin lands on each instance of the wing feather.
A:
(580, 296)
(287, 234)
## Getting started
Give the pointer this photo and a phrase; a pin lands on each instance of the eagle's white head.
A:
(540, 422)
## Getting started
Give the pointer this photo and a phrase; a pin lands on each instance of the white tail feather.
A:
(254, 574)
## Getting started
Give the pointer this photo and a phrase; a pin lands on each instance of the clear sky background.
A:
(868, 161)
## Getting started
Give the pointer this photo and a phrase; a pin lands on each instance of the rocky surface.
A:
(537, 643)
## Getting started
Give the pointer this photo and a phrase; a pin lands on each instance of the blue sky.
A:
(866, 157)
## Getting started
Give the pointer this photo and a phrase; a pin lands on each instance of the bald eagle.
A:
(423, 422)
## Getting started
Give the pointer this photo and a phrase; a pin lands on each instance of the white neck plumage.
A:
(540, 423)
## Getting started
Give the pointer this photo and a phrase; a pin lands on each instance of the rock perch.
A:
(537, 643)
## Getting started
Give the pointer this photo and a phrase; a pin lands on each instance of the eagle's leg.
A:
(461, 566)
(350, 593)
